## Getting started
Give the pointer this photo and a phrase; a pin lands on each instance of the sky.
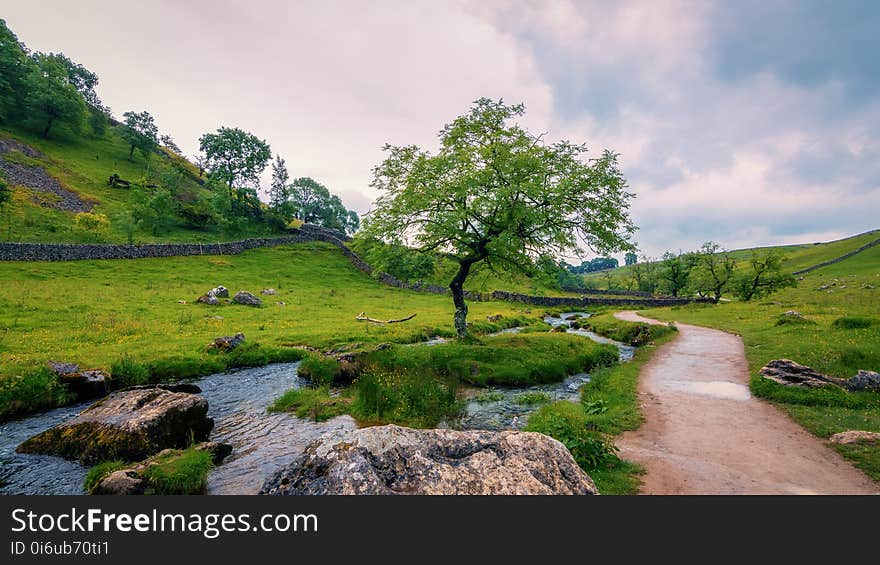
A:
(745, 123)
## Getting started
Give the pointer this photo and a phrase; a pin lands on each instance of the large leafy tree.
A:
(313, 203)
(140, 132)
(235, 157)
(51, 97)
(498, 195)
(14, 69)
(713, 270)
(762, 276)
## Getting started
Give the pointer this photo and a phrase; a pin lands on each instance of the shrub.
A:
(416, 400)
(853, 323)
(91, 223)
(31, 391)
(319, 370)
(128, 372)
(565, 421)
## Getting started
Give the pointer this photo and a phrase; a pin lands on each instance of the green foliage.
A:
(179, 472)
(140, 132)
(94, 224)
(319, 370)
(631, 258)
(153, 209)
(632, 333)
(497, 194)
(763, 276)
(674, 272)
(713, 270)
(395, 259)
(50, 98)
(313, 403)
(5, 193)
(235, 157)
(312, 202)
(413, 399)
(567, 422)
(97, 473)
(125, 372)
(14, 68)
(531, 398)
(278, 190)
(854, 322)
(30, 390)
(487, 396)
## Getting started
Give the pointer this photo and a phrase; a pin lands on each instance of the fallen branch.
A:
(364, 318)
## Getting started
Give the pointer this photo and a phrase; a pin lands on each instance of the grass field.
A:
(820, 341)
(97, 313)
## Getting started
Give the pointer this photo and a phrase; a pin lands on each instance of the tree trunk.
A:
(48, 126)
(457, 288)
(131, 152)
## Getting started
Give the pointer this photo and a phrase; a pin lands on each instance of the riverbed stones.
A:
(396, 460)
(246, 298)
(227, 343)
(85, 385)
(855, 436)
(130, 425)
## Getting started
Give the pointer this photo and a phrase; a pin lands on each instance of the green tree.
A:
(630, 258)
(763, 276)
(235, 157)
(140, 132)
(50, 98)
(278, 189)
(497, 195)
(154, 209)
(14, 70)
(82, 79)
(713, 271)
(674, 272)
(313, 203)
(645, 275)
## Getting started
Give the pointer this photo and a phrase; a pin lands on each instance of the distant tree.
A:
(167, 142)
(313, 203)
(498, 196)
(235, 157)
(763, 275)
(278, 189)
(14, 70)
(674, 272)
(630, 258)
(713, 271)
(154, 209)
(50, 98)
(140, 132)
(201, 162)
(395, 259)
(645, 275)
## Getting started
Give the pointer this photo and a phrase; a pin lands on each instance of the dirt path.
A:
(705, 434)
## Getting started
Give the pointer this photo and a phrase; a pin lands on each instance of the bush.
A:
(408, 399)
(128, 372)
(91, 223)
(565, 421)
(319, 370)
(853, 323)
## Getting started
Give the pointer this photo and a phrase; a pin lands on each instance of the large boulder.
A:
(219, 291)
(129, 425)
(246, 298)
(227, 343)
(396, 460)
(85, 385)
(787, 372)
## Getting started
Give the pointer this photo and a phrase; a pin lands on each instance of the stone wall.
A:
(839, 259)
(308, 232)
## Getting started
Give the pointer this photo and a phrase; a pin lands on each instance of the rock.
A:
(868, 286)
(824, 287)
(219, 291)
(181, 301)
(86, 385)
(281, 304)
(855, 436)
(208, 299)
(793, 314)
(865, 380)
(131, 481)
(246, 298)
(396, 460)
(789, 373)
(227, 343)
(171, 387)
(574, 324)
(268, 291)
(494, 318)
(129, 425)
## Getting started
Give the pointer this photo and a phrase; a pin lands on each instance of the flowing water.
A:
(263, 442)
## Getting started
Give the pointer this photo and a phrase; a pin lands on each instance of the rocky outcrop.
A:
(865, 380)
(789, 373)
(208, 299)
(219, 291)
(854, 436)
(129, 425)
(227, 343)
(396, 460)
(246, 298)
(36, 179)
(131, 480)
(85, 385)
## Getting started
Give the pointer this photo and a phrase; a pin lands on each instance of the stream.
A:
(262, 441)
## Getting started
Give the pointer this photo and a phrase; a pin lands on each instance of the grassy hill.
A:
(82, 164)
(797, 257)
